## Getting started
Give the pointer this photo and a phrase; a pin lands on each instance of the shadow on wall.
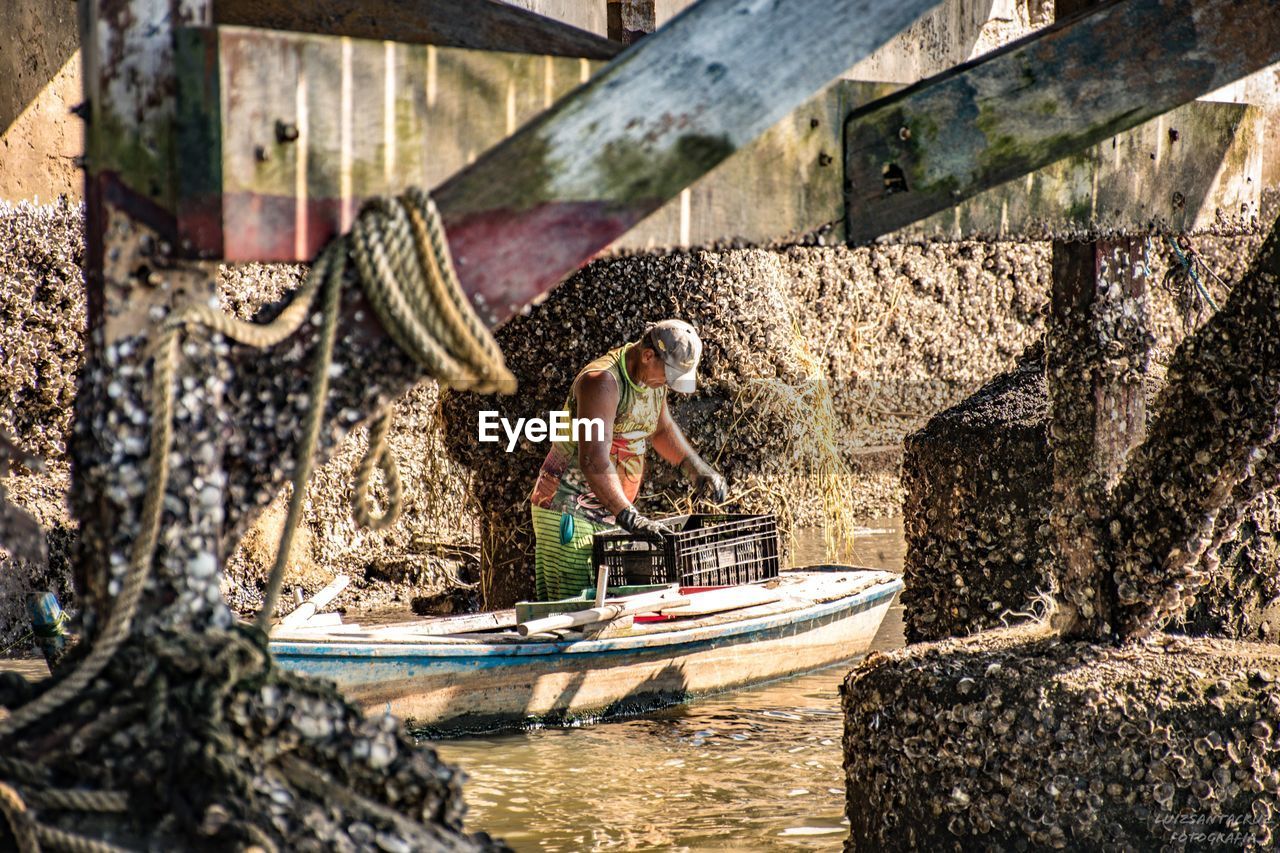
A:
(39, 136)
(38, 38)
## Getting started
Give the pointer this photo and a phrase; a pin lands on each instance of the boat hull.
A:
(449, 688)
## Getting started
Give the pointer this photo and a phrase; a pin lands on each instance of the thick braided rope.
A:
(20, 822)
(378, 453)
(473, 338)
(330, 271)
(260, 335)
(59, 839)
(77, 800)
(411, 283)
(392, 283)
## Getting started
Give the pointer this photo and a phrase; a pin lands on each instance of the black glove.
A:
(706, 481)
(646, 528)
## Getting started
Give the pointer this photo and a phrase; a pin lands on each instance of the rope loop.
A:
(377, 454)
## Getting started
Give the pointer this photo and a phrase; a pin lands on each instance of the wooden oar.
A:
(650, 602)
(307, 609)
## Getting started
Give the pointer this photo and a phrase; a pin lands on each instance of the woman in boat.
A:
(587, 486)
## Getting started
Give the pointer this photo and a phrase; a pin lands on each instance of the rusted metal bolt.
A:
(261, 154)
(904, 133)
(286, 131)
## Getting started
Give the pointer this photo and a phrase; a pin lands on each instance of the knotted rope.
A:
(403, 264)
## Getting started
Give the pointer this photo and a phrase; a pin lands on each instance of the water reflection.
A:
(758, 769)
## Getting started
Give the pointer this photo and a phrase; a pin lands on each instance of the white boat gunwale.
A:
(865, 598)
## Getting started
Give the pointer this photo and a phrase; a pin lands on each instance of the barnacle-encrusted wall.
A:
(978, 482)
(889, 335)
(1014, 740)
(41, 322)
(42, 316)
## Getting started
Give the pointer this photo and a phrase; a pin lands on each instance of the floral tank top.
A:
(561, 485)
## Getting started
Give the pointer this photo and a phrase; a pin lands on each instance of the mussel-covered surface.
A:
(217, 748)
(1016, 740)
(978, 480)
(817, 361)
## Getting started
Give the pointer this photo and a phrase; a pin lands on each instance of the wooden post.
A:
(134, 280)
(1097, 350)
(631, 20)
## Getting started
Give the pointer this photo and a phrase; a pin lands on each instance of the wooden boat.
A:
(473, 680)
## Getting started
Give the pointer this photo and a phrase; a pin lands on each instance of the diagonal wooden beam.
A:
(662, 115)
(478, 24)
(1038, 100)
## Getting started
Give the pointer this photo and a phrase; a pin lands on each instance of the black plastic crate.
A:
(706, 550)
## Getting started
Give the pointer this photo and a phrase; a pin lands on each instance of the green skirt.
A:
(563, 568)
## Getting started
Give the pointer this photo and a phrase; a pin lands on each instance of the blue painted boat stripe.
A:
(686, 639)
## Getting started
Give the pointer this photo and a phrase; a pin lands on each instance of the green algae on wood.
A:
(991, 119)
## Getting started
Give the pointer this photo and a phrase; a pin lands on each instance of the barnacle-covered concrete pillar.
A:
(1014, 739)
(1192, 722)
(978, 480)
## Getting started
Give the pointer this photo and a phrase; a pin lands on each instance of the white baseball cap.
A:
(680, 349)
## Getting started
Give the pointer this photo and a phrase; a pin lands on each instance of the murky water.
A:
(756, 769)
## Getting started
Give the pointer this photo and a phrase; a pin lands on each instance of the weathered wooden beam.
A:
(476, 24)
(1201, 168)
(253, 191)
(1038, 100)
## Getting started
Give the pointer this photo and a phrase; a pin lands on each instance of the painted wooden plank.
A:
(572, 181)
(1200, 168)
(475, 24)
(313, 125)
(1027, 105)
